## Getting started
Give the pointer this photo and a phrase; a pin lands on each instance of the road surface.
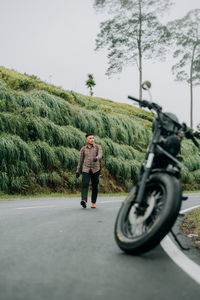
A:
(51, 248)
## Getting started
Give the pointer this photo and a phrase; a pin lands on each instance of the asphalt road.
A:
(51, 248)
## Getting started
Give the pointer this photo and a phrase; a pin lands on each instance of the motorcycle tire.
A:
(139, 234)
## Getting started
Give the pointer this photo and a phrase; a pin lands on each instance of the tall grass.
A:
(45, 154)
(120, 129)
(122, 168)
(17, 159)
(4, 181)
(17, 165)
(25, 82)
(108, 106)
(192, 162)
(43, 129)
(68, 157)
(196, 175)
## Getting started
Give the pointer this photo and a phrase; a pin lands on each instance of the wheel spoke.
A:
(135, 228)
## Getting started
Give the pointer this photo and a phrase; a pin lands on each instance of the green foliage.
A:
(68, 157)
(54, 179)
(17, 81)
(185, 40)
(43, 179)
(121, 168)
(196, 175)
(132, 33)
(36, 105)
(192, 162)
(4, 181)
(2, 86)
(45, 154)
(90, 83)
(191, 224)
(42, 134)
(21, 185)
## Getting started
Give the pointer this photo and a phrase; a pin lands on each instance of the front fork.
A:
(139, 201)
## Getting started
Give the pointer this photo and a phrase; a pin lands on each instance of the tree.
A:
(90, 83)
(185, 35)
(133, 33)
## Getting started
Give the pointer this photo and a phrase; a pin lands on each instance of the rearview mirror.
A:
(146, 85)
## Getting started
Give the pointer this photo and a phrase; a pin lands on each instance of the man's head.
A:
(89, 138)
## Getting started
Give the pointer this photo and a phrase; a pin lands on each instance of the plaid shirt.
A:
(86, 163)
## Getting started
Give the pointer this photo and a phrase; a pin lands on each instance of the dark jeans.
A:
(85, 185)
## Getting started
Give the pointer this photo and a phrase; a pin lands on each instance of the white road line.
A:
(185, 263)
(31, 207)
(110, 201)
(192, 196)
(188, 209)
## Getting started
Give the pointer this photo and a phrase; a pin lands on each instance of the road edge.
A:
(184, 262)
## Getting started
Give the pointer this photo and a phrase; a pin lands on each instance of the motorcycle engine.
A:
(170, 127)
(172, 144)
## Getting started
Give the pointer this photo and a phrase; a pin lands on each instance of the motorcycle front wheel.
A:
(136, 234)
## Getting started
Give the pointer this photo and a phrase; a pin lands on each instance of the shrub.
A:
(196, 175)
(43, 179)
(4, 181)
(186, 177)
(192, 162)
(54, 179)
(9, 152)
(21, 184)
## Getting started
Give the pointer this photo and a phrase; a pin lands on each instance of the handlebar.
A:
(195, 142)
(148, 104)
(151, 105)
(189, 134)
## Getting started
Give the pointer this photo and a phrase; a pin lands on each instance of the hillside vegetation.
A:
(42, 128)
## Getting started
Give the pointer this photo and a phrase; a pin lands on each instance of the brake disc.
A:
(135, 219)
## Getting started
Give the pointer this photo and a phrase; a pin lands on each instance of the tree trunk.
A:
(191, 103)
(140, 50)
(191, 87)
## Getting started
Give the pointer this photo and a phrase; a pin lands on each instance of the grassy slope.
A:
(43, 128)
(191, 225)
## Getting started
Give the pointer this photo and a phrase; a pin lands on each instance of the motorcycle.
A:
(151, 208)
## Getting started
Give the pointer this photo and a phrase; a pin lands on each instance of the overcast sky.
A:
(55, 40)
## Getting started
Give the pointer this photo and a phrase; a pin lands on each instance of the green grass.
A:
(191, 225)
(43, 129)
(56, 195)
(66, 195)
(191, 191)
(195, 215)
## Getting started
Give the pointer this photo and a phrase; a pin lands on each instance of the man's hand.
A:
(94, 159)
(77, 175)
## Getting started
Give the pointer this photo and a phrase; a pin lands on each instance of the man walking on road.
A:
(90, 165)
